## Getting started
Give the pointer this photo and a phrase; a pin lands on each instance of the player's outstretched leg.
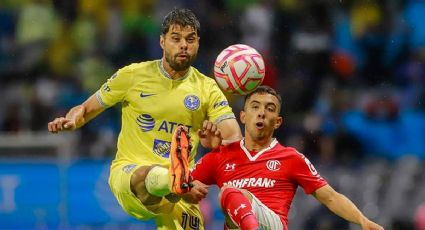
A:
(181, 180)
(238, 208)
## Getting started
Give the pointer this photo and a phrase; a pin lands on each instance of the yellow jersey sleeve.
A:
(218, 108)
(115, 89)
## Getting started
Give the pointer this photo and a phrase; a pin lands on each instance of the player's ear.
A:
(279, 121)
(242, 116)
(162, 41)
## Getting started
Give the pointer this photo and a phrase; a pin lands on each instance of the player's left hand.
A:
(198, 192)
(210, 135)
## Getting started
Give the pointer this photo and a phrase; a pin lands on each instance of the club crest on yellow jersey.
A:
(192, 102)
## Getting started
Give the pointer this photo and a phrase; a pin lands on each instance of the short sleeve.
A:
(204, 170)
(218, 106)
(305, 175)
(115, 89)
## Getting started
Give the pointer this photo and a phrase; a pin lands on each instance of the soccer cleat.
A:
(180, 178)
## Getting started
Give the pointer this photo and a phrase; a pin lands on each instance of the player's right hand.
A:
(210, 135)
(61, 124)
(198, 192)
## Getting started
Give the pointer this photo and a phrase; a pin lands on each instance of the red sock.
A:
(239, 208)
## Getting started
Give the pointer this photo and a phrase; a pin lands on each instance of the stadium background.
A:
(351, 74)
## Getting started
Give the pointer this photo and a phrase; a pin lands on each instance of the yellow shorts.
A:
(168, 216)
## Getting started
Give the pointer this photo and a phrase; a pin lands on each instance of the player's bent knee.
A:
(138, 179)
(225, 192)
(138, 186)
(120, 183)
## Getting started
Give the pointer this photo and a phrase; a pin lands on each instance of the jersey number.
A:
(191, 221)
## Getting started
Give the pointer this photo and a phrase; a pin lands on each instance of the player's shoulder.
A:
(289, 152)
(141, 66)
(138, 68)
(223, 150)
(130, 72)
(202, 77)
(231, 147)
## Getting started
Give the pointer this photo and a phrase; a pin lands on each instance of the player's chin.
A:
(180, 65)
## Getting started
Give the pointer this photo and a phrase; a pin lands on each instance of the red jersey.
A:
(272, 174)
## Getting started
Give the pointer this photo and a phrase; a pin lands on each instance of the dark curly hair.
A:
(264, 89)
(182, 17)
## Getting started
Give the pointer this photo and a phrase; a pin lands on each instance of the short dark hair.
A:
(182, 17)
(264, 89)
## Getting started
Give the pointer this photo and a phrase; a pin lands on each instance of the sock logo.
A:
(242, 206)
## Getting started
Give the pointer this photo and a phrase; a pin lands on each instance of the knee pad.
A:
(156, 181)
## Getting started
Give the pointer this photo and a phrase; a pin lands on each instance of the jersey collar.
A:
(165, 73)
(253, 158)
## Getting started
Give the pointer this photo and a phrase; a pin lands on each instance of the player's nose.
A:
(261, 113)
(183, 44)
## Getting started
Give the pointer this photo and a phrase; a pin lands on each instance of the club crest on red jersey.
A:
(273, 165)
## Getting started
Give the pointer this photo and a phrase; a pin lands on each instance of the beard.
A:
(179, 66)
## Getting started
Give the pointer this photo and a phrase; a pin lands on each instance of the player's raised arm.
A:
(230, 131)
(212, 135)
(343, 207)
(77, 116)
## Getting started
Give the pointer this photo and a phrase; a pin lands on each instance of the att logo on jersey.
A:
(147, 123)
(169, 126)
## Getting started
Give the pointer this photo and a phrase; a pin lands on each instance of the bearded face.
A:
(180, 45)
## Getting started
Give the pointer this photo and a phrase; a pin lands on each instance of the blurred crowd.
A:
(351, 73)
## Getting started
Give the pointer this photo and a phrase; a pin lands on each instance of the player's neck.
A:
(257, 145)
(173, 74)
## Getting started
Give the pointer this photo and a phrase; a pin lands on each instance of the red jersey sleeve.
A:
(204, 169)
(304, 174)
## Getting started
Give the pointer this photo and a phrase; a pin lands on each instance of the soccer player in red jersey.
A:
(258, 176)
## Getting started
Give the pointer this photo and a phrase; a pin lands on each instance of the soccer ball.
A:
(239, 69)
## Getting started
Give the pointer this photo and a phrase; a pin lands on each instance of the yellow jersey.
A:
(153, 105)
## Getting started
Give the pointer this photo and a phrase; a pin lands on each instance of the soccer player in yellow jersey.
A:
(156, 98)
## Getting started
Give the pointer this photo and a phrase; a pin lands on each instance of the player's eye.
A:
(271, 109)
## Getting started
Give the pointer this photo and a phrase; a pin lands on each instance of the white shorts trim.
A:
(267, 218)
